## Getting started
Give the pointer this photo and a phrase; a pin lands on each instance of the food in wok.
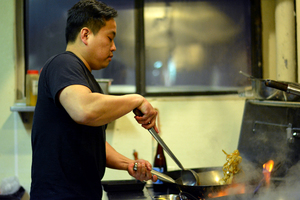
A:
(231, 167)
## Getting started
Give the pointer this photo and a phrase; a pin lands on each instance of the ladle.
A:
(188, 177)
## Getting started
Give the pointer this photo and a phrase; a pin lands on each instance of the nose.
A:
(113, 47)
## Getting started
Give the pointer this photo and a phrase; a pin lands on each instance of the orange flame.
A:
(267, 169)
(232, 189)
(268, 165)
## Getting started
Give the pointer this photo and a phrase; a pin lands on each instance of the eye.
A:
(110, 39)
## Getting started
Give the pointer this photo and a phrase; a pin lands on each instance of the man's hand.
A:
(146, 115)
(142, 171)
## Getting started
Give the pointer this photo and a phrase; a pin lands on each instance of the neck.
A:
(76, 50)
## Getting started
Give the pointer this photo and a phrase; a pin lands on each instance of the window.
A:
(164, 47)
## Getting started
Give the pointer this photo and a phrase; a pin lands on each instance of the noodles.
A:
(230, 167)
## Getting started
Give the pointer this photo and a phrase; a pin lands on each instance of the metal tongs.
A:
(188, 177)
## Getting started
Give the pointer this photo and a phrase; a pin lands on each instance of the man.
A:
(70, 152)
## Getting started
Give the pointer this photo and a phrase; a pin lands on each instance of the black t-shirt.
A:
(68, 159)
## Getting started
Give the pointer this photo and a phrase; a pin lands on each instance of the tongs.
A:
(188, 177)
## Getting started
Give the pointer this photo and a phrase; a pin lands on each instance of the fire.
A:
(267, 169)
(268, 165)
(240, 188)
(232, 189)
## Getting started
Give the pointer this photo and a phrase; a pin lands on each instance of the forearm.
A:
(116, 160)
(95, 109)
(103, 109)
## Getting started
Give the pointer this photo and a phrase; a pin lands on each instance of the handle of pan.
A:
(163, 177)
(276, 85)
(165, 147)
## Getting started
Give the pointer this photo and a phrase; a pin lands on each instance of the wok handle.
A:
(163, 177)
(276, 85)
(292, 88)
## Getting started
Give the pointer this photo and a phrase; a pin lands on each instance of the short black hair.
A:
(92, 14)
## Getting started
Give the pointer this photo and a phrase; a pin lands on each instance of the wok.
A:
(209, 182)
(262, 91)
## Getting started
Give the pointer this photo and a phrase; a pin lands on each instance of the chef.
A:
(69, 149)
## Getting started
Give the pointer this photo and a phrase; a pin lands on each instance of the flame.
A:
(268, 165)
(240, 188)
(267, 169)
(232, 189)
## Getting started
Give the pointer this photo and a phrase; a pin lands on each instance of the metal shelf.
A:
(26, 112)
(21, 107)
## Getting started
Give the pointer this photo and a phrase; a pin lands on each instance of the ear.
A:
(85, 34)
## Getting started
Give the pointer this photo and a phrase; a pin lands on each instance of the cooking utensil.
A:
(292, 88)
(209, 182)
(163, 177)
(188, 177)
(263, 92)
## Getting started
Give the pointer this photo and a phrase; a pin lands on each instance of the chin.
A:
(100, 67)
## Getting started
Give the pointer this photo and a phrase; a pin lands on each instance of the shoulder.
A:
(65, 57)
(64, 61)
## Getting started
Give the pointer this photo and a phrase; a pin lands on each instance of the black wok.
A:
(208, 182)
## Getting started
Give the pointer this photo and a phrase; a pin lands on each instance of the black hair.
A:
(92, 14)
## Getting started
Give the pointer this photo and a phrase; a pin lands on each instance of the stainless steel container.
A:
(104, 84)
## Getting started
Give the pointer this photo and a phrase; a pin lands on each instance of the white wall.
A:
(195, 128)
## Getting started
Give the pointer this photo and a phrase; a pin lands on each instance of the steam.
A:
(285, 188)
(289, 188)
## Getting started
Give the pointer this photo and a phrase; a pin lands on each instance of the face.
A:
(100, 46)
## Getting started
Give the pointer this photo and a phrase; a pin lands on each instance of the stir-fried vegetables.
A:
(231, 167)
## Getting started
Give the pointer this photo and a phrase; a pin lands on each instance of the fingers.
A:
(148, 120)
(142, 170)
(154, 178)
(146, 115)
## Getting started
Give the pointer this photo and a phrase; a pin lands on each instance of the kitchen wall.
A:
(195, 128)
